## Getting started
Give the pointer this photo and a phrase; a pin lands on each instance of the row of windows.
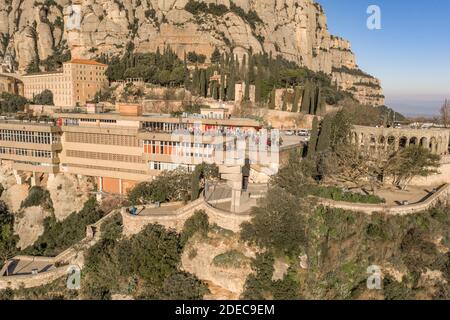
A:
(166, 127)
(28, 152)
(182, 149)
(162, 166)
(104, 156)
(29, 136)
(102, 168)
(108, 139)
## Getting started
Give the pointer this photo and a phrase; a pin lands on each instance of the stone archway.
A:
(433, 145)
(424, 142)
(413, 141)
(403, 142)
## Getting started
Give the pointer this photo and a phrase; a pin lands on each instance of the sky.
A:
(410, 54)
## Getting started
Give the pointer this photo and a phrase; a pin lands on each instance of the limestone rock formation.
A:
(294, 29)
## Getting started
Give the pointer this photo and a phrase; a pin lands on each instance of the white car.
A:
(289, 133)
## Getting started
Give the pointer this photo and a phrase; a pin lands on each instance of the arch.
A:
(424, 142)
(372, 139)
(354, 138)
(382, 140)
(433, 145)
(391, 140)
(403, 142)
(413, 140)
(439, 145)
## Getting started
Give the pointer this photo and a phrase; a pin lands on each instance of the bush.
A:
(12, 103)
(231, 259)
(168, 186)
(111, 229)
(198, 223)
(37, 196)
(44, 98)
(337, 194)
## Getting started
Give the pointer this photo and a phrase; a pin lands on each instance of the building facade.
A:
(78, 82)
(118, 149)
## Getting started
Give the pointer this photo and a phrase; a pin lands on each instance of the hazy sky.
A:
(410, 54)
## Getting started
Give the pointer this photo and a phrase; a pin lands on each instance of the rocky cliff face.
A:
(295, 29)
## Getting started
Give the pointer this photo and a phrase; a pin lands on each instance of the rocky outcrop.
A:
(200, 258)
(294, 29)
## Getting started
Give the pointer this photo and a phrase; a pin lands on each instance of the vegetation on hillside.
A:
(164, 69)
(8, 240)
(38, 196)
(60, 235)
(341, 245)
(145, 266)
(12, 103)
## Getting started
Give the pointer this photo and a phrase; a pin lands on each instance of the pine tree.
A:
(313, 140)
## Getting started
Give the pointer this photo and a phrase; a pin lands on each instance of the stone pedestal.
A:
(233, 176)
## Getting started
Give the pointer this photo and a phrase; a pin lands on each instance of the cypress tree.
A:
(272, 99)
(313, 140)
(231, 81)
(323, 142)
(296, 100)
(284, 106)
(195, 182)
(196, 81)
(203, 84)
(306, 100)
(222, 86)
(312, 103)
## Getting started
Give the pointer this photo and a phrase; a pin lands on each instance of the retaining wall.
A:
(442, 195)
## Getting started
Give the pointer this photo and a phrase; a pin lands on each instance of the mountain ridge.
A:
(37, 32)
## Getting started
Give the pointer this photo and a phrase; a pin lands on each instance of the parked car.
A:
(303, 133)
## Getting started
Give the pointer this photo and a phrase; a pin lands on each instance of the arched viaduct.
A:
(436, 140)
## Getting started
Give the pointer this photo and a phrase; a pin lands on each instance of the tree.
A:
(411, 162)
(312, 144)
(445, 113)
(8, 239)
(215, 56)
(277, 224)
(11, 103)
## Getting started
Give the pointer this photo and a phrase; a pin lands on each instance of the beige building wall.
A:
(78, 83)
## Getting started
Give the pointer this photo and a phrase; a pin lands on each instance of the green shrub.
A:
(198, 223)
(60, 235)
(44, 98)
(231, 259)
(37, 196)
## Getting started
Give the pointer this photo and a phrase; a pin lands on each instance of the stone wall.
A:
(30, 281)
(231, 221)
(442, 195)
